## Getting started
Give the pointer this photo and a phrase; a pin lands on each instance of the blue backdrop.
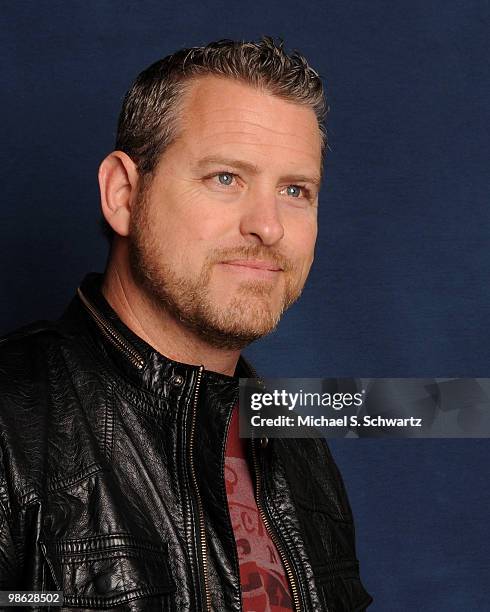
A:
(400, 284)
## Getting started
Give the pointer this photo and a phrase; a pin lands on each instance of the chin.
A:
(234, 339)
(252, 328)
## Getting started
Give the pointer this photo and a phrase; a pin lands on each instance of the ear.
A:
(118, 182)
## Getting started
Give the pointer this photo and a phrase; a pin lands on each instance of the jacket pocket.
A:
(339, 586)
(108, 570)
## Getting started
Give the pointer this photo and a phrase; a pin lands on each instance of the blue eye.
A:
(225, 178)
(294, 190)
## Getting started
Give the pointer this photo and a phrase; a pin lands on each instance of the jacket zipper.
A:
(202, 532)
(137, 360)
(286, 563)
(114, 337)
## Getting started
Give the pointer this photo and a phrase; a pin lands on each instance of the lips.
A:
(256, 264)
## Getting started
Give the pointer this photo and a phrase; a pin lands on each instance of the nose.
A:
(260, 221)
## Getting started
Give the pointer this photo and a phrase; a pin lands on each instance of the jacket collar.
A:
(137, 360)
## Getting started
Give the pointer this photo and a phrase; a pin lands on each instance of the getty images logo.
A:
(302, 399)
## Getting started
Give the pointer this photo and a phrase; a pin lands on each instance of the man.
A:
(123, 481)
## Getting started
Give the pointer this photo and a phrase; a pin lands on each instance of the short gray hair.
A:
(148, 122)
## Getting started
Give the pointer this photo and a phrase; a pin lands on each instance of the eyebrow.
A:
(253, 168)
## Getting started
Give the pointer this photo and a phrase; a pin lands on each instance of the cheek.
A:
(186, 241)
(302, 248)
(196, 218)
(303, 235)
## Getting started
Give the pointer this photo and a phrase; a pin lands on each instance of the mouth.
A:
(253, 268)
(257, 264)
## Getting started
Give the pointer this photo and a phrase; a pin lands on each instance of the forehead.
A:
(221, 113)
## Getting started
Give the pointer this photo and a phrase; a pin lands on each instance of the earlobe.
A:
(118, 182)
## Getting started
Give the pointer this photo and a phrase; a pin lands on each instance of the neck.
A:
(157, 327)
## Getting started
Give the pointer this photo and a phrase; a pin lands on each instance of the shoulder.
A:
(22, 355)
(28, 367)
(26, 333)
(24, 352)
(26, 358)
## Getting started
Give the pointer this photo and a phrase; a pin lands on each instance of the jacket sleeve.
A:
(8, 556)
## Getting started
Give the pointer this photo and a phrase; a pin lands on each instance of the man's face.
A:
(223, 236)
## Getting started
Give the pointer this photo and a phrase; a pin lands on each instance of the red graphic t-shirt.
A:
(263, 580)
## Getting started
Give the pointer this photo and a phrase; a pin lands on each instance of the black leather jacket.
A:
(112, 481)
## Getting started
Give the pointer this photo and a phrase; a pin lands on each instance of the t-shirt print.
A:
(263, 581)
